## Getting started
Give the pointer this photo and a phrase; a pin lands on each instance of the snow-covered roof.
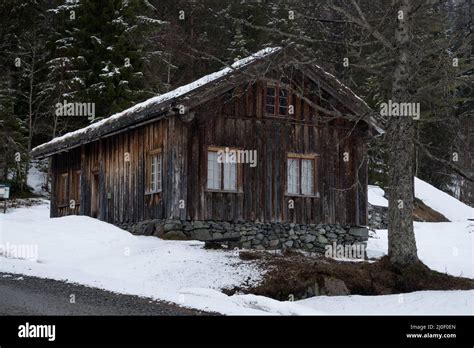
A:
(150, 107)
(178, 92)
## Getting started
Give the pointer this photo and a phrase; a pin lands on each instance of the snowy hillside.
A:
(447, 205)
(436, 199)
(443, 246)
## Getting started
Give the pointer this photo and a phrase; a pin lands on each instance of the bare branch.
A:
(362, 22)
(448, 164)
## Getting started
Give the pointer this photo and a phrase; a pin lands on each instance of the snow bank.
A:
(443, 246)
(440, 201)
(376, 196)
(91, 252)
(415, 303)
(245, 304)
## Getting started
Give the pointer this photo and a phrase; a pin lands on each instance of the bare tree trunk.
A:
(31, 112)
(401, 237)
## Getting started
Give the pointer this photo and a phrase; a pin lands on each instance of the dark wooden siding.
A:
(122, 196)
(235, 119)
(263, 196)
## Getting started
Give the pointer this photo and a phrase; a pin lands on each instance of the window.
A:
(307, 176)
(270, 101)
(230, 176)
(155, 171)
(276, 99)
(283, 102)
(213, 171)
(221, 175)
(301, 174)
(293, 175)
(62, 189)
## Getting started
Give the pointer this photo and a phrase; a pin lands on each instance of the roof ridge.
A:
(158, 99)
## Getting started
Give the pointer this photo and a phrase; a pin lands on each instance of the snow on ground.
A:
(95, 253)
(246, 304)
(414, 303)
(443, 246)
(87, 251)
(376, 196)
(37, 177)
(440, 201)
(91, 252)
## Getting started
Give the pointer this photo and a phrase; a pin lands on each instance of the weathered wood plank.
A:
(242, 124)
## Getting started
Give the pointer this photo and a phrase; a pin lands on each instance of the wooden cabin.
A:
(160, 159)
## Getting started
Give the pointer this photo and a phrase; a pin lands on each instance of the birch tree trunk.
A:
(400, 133)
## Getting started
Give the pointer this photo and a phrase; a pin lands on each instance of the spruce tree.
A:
(100, 57)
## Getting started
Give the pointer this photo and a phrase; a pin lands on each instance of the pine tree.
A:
(101, 55)
(24, 91)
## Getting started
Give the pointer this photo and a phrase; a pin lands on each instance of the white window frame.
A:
(299, 180)
(225, 176)
(155, 172)
(214, 169)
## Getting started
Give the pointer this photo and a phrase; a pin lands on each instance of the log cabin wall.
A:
(118, 163)
(234, 119)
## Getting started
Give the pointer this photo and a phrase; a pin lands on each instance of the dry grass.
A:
(296, 274)
(421, 212)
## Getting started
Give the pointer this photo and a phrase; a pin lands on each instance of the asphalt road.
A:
(23, 295)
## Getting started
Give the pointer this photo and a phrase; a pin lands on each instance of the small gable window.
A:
(283, 102)
(270, 101)
(276, 101)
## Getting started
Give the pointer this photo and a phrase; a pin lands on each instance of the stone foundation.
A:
(253, 235)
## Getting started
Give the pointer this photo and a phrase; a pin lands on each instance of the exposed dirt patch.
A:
(248, 255)
(301, 276)
(422, 212)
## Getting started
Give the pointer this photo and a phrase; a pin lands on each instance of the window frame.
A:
(149, 173)
(300, 157)
(238, 174)
(278, 87)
